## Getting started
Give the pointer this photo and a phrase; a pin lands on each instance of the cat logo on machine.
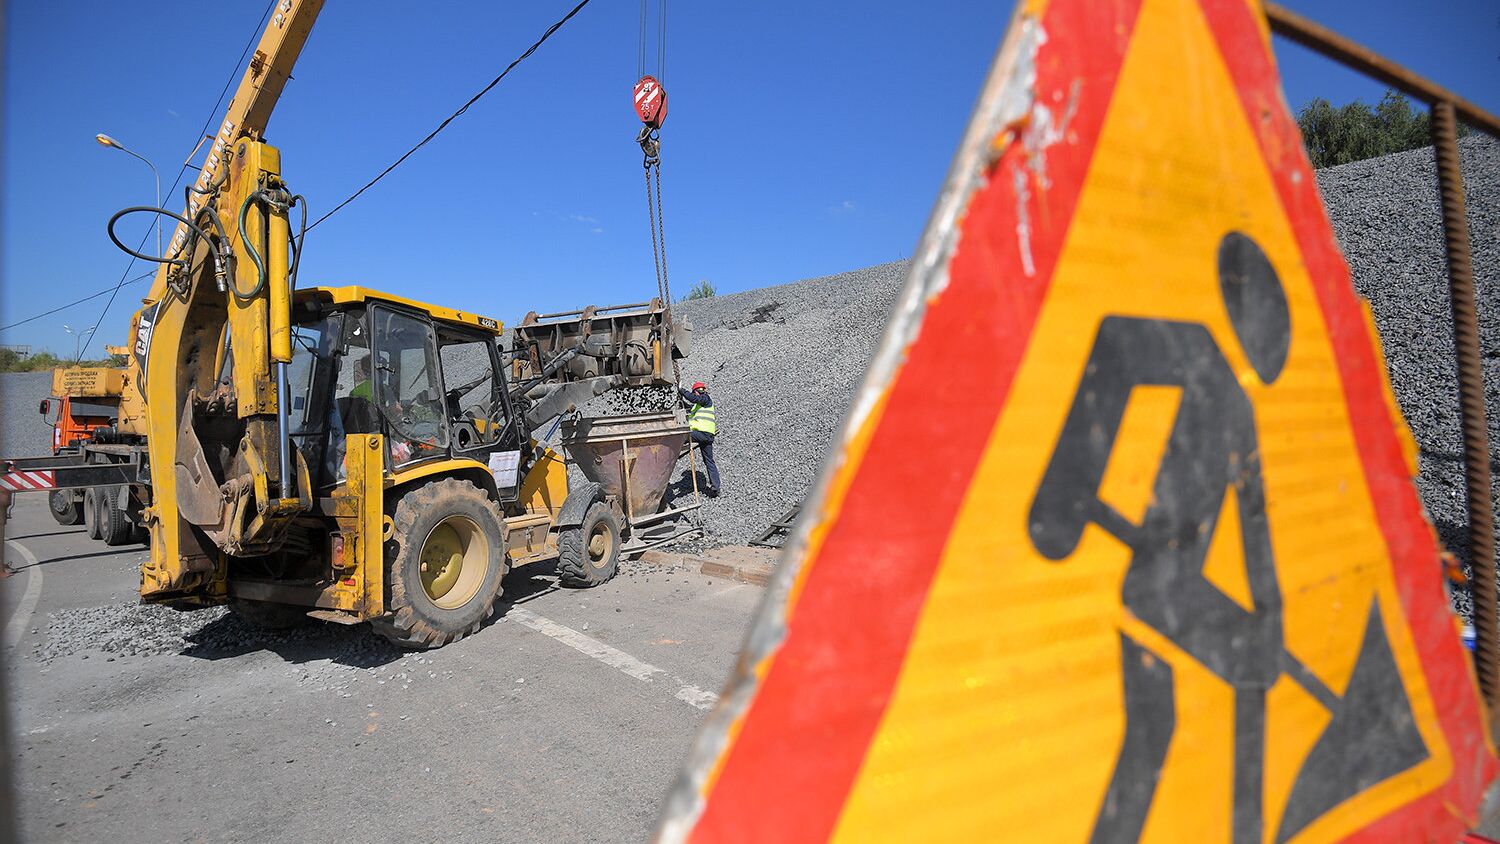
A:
(1166, 576)
(145, 323)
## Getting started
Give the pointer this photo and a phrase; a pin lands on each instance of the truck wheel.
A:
(115, 527)
(65, 506)
(589, 554)
(262, 615)
(91, 513)
(449, 544)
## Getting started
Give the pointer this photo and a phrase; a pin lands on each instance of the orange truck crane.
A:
(83, 411)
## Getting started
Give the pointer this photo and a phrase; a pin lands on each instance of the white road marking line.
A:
(22, 617)
(694, 696)
(613, 657)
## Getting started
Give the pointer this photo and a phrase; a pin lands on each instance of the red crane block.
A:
(650, 101)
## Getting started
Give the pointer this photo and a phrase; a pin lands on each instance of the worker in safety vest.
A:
(704, 427)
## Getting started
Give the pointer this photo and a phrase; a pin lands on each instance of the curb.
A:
(739, 563)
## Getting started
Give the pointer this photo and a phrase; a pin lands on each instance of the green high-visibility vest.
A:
(701, 418)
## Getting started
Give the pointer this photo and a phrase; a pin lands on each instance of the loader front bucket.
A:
(637, 342)
(631, 457)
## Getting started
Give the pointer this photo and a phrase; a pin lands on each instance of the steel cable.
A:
(465, 107)
(115, 288)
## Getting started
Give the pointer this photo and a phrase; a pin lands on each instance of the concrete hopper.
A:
(631, 457)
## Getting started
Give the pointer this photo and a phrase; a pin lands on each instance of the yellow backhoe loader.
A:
(341, 453)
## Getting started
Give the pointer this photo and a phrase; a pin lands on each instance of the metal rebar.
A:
(1324, 40)
(1471, 399)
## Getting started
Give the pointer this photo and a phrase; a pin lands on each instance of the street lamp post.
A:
(78, 338)
(105, 140)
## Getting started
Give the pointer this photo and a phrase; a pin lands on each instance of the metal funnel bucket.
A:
(632, 457)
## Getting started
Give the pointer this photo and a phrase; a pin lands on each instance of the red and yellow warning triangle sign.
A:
(1121, 541)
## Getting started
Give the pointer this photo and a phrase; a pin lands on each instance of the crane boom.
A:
(250, 109)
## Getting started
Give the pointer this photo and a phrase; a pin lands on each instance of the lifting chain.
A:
(650, 141)
(650, 102)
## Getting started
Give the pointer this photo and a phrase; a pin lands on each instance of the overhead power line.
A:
(212, 115)
(91, 296)
(465, 107)
(114, 289)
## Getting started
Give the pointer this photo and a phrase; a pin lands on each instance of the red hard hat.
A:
(699, 385)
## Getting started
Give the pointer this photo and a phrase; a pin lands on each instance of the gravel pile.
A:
(22, 429)
(632, 400)
(1386, 215)
(122, 630)
(782, 365)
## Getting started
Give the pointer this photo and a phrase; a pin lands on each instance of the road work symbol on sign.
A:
(1212, 455)
(1120, 541)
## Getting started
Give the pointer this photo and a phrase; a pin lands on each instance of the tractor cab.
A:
(428, 380)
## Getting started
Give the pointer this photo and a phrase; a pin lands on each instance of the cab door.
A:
(408, 387)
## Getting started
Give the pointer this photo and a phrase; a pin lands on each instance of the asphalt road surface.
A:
(565, 719)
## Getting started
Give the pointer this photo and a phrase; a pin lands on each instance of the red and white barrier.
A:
(41, 479)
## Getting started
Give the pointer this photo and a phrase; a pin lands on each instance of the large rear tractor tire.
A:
(91, 513)
(266, 616)
(115, 528)
(65, 506)
(449, 544)
(589, 554)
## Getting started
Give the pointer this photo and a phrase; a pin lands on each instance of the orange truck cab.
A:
(74, 421)
(83, 400)
(84, 406)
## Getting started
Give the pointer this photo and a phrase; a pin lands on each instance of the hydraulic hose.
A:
(260, 264)
(298, 200)
(220, 248)
(159, 259)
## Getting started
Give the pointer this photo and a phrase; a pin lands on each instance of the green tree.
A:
(11, 361)
(702, 290)
(1355, 131)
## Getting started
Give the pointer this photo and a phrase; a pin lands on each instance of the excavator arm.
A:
(211, 347)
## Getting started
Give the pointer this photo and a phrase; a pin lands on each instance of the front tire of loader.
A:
(589, 554)
(449, 559)
(91, 513)
(66, 508)
(265, 616)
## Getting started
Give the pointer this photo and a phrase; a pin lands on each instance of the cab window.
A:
(408, 387)
(475, 410)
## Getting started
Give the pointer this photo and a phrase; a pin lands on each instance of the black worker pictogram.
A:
(1212, 451)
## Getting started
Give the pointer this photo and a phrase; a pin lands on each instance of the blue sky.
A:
(803, 138)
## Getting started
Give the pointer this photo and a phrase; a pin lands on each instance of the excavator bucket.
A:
(636, 342)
